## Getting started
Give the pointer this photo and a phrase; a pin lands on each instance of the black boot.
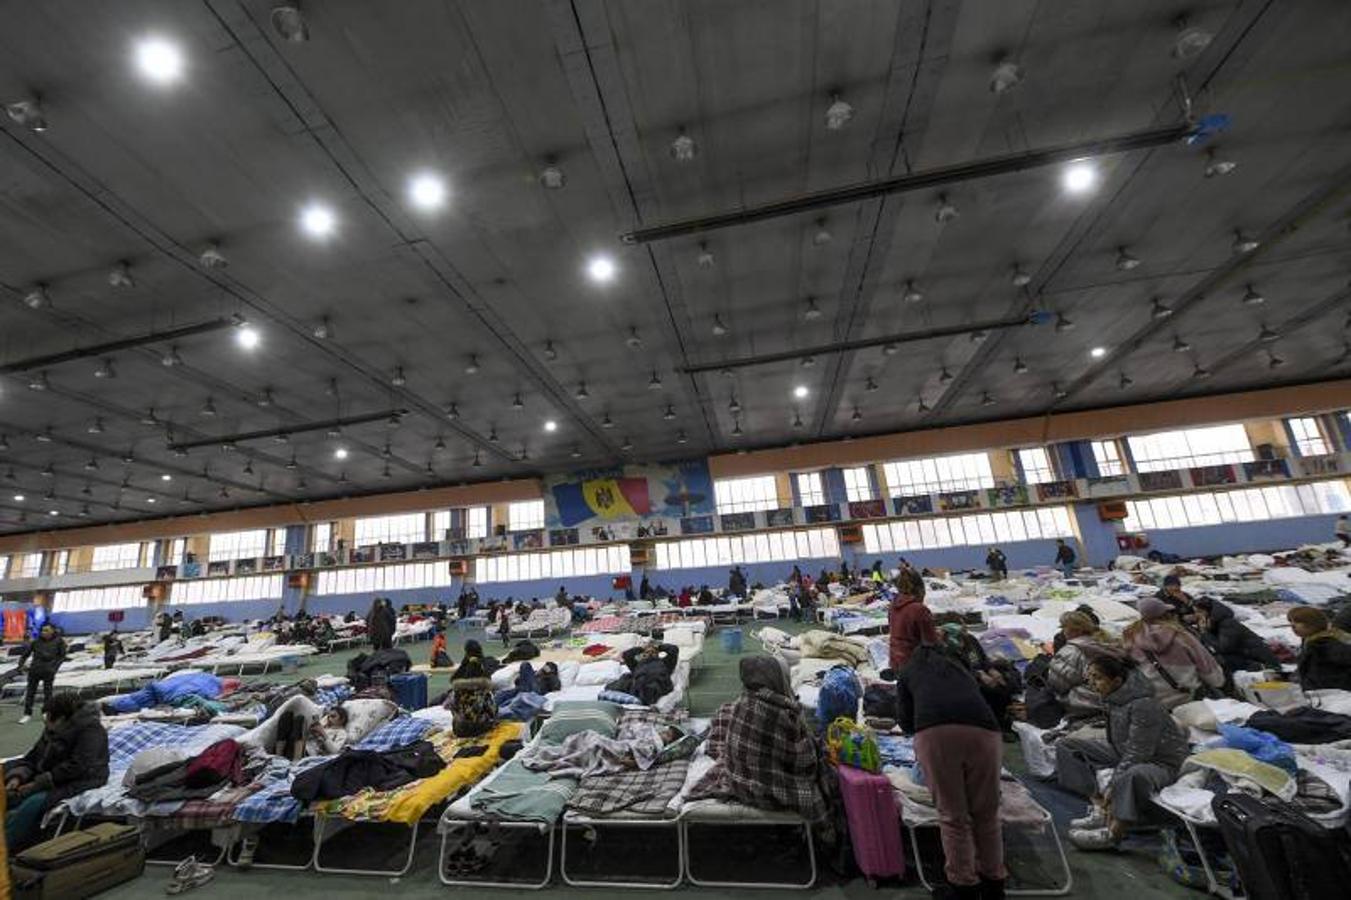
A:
(991, 889)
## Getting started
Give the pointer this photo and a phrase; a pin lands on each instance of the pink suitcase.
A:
(874, 823)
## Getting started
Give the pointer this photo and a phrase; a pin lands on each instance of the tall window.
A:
(398, 577)
(1309, 440)
(1249, 505)
(321, 537)
(29, 565)
(777, 546)
(1191, 447)
(525, 515)
(174, 554)
(117, 556)
(1036, 465)
(62, 565)
(1107, 454)
(810, 490)
(552, 566)
(736, 495)
(237, 545)
(977, 530)
(86, 599)
(476, 522)
(276, 542)
(402, 529)
(858, 485)
(957, 472)
(228, 590)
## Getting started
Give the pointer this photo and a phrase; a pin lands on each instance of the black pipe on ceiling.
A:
(289, 430)
(154, 337)
(764, 359)
(914, 181)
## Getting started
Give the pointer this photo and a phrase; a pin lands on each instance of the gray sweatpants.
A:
(1077, 761)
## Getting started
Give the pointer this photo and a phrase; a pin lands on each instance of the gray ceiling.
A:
(484, 93)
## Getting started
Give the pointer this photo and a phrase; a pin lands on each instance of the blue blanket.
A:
(168, 692)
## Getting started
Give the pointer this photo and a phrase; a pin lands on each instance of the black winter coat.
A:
(44, 655)
(1234, 644)
(353, 770)
(1325, 661)
(68, 759)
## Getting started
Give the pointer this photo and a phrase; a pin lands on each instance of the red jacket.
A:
(910, 624)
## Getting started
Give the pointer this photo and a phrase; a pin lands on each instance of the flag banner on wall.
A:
(1168, 480)
(393, 552)
(826, 512)
(365, 554)
(218, 568)
(655, 528)
(246, 566)
(696, 525)
(426, 550)
(594, 496)
(615, 531)
(166, 573)
(1109, 486)
(528, 540)
(779, 518)
(913, 506)
(1320, 465)
(562, 537)
(1266, 470)
(867, 509)
(274, 563)
(1057, 490)
(1207, 476)
(1006, 495)
(738, 521)
(954, 500)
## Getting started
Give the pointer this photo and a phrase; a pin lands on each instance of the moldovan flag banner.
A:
(606, 498)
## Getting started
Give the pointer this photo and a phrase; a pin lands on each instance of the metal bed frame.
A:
(545, 829)
(591, 823)
(321, 831)
(764, 818)
(913, 828)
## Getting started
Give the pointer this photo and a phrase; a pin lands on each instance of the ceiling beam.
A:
(344, 422)
(131, 343)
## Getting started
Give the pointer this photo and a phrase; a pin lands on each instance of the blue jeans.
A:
(23, 822)
(1067, 569)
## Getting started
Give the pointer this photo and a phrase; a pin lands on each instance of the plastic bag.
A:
(1260, 745)
(851, 744)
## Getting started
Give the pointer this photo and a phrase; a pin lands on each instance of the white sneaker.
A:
(24, 719)
(1092, 838)
(1096, 818)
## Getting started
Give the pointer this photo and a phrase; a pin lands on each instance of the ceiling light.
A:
(247, 337)
(986, 399)
(669, 413)
(426, 191)
(857, 416)
(1063, 324)
(1098, 352)
(28, 113)
(808, 362)
(1019, 367)
(212, 258)
(1020, 277)
(149, 418)
(890, 349)
(398, 379)
(317, 220)
(1200, 372)
(945, 212)
(19, 498)
(633, 341)
(48, 471)
(734, 405)
(248, 467)
(209, 407)
(44, 436)
(705, 257)
(1266, 335)
(324, 330)
(551, 176)
(800, 391)
(229, 447)
(86, 490)
(334, 431)
(1244, 243)
(265, 399)
(576, 452)
(524, 454)
(822, 235)
(1251, 297)
(838, 113)
(478, 462)
(912, 294)
(719, 329)
(289, 23)
(4, 442)
(607, 422)
(550, 425)
(91, 465)
(291, 463)
(225, 492)
(37, 297)
(680, 437)
(627, 444)
(944, 376)
(1179, 345)
(171, 358)
(386, 452)
(797, 419)
(1005, 77)
(342, 477)
(471, 367)
(601, 269)
(1275, 362)
(1125, 261)
(385, 472)
(452, 411)
(870, 385)
(812, 312)
(654, 383)
(1059, 392)
(340, 453)
(166, 477)
(922, 407)
(1217, 165)
(492, 434)
(96, 426)
(1190, 40)
(1125, 381)
(1159, 310)
(736, 428)
(37, 382)
(978, 336)
(550, 353)
(119, 276)
(105, 369)
(683, 148)
(516, 402)
(53, 512)
(1079, 176)
(159, 60)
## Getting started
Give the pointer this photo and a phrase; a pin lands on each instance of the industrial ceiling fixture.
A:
(626, 445)
(857, 416)
(37, 297)
(550, 425)
(890, 349)
(248, 467)
(1216, 165)
(1058, 391)
(452, 411)
(1062, 323)
(395, 419)
(317, 220)
(1244, 243)
(159, 60)
(516, 402)
(822, 235)
(654, 383)
(1006, 76)
(478, 461)
(986, 399)
(247, 336)
(551, 177)
(1020, 276)
(28, 113)
(1019, 367)
(1179, 345)
(601, 269)
(576, 452)
(978, 336)
(1251, 297)
(96, 426)
(385, 472)
(1274, 361)
(1079, 176)
(1266, 335)
(265, 399)
(48, 471)
(291, 463)
(1200, 372)
(944, 376)
(838, 113)
(607, 422)
(440, 444)
(148, 418)
(922, 406)
(705, 258)
(399, 379)
(492, 434)
(550, 353)
(289, 22)
(1125, 381)
(341, 453)
(105, 369)
(736, 428)
(1159, 310)
(38, 382)
(44, 436)
(945, 211)
(812, 312)
(808, 361)
(1098, 352)
(324, 330)
(471, 367)
(427, 191)
(1190, 41)
(91, 465)
(211, 257)
(171, 358)
(912, 294)
(797, 419)
(386, 451)
(119, 276)
(734, 405)
(719, 329)
(209, 407)
(680, 437)
(633, 341)
(1125, 260)
(669, 412)
(870, 385)
(683, 148)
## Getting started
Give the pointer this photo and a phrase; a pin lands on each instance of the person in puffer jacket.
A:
(1171, 657)
(1237, 647)
(71, 757)
(1068, 672)
(1144, 750)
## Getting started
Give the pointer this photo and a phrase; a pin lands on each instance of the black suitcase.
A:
(1280, 853)
(79, 864)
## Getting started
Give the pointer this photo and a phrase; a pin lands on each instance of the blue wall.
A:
(137, 618)
(1021, 555)
(1243, 537)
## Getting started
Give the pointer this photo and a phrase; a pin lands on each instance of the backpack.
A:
(1044, 708)
(840, 691)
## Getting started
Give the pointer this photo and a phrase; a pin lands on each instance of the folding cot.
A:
(726, 814)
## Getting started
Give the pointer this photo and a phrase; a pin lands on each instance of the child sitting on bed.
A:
(328, 734)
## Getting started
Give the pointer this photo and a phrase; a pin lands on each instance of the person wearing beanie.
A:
(1173, 660)
(1236, 646)
(1325, 652)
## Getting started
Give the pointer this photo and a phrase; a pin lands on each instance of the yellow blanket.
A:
(409, 803)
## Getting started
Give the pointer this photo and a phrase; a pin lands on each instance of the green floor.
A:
(1130, 874)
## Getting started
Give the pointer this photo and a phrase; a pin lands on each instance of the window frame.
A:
(858, 484)
(525, 515)
(1035, 474)
(749, 493)
(1304, 443)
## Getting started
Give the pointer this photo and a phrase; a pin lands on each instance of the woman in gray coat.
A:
(1144, 751)
(1068, 673)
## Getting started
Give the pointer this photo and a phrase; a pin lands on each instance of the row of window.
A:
(401, 577)
(228, 590)
(775, 546)
(982, 529)
(1245, 505)
(556, 564)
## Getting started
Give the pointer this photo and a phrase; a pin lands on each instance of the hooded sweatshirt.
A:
(1174, 662)
(910, 623)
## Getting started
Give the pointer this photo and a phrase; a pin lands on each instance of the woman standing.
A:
(958, 747)
(909, 621)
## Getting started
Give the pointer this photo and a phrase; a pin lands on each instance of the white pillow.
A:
(364, 715)
(602, 672)
(567, 673)
(505, 677)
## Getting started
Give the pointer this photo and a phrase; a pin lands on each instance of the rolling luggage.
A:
(409, 690)
(79, 864)
(874, 823)
(1280, 853)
